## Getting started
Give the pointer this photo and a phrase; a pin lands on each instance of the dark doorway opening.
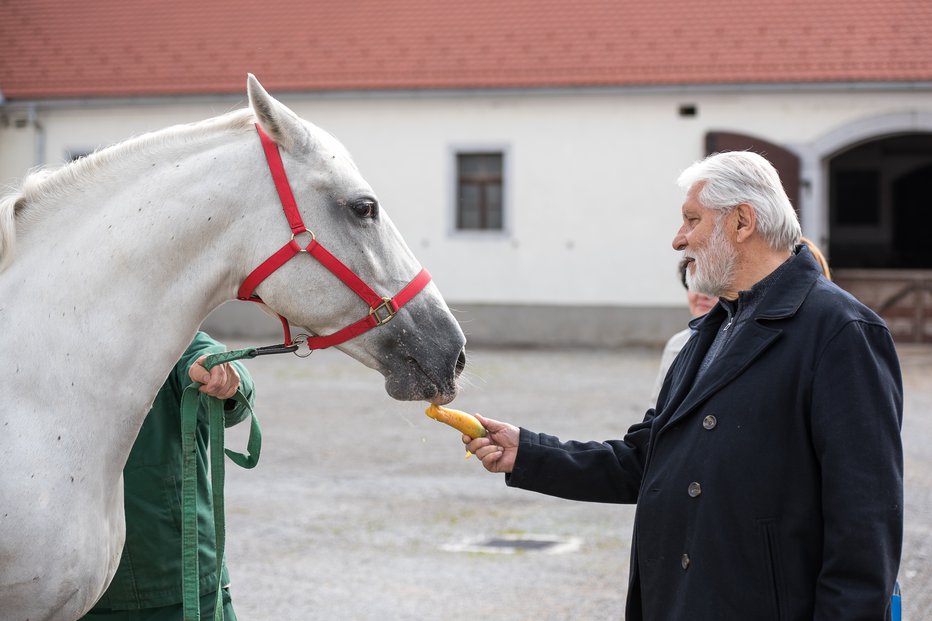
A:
(912, 218)
(880, 204)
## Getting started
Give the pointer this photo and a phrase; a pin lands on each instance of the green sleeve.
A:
(233, 411)
(202, 344)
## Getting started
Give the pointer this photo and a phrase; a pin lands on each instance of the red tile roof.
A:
(56, 48)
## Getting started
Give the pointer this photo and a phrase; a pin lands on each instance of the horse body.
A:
(118, 260)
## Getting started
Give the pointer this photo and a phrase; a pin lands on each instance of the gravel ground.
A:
(359, 502)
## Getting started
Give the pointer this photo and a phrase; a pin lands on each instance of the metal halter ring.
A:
(301, 339)
(313, 239)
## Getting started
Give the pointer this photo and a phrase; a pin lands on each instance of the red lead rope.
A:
(381, 309)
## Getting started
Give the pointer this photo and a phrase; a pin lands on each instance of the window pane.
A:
(470, 165)
(493, 203)
(468, 217)
(480, 165)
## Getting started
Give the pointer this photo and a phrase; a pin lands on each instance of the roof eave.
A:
(623, 89)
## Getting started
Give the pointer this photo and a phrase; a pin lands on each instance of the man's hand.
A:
(221, 381)
(498, 450)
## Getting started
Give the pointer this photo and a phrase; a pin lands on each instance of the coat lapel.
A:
(749, 344)
(686, 366)
(752, 340)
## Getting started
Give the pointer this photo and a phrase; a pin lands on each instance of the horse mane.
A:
(42, 185)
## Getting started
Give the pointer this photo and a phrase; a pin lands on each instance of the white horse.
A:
(118, 258)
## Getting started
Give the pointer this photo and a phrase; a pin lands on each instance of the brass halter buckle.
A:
(384, 312)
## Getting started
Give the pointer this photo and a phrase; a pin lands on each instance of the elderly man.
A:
(769, 477)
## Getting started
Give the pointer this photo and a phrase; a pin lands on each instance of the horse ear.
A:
(277, 120)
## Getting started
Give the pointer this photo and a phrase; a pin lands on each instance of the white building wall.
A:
(591, 191)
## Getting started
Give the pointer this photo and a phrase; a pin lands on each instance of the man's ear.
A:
(745, 222)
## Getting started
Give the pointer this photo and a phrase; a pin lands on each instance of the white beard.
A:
(714, 266)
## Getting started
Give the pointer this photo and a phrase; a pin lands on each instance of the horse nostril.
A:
(460, 363)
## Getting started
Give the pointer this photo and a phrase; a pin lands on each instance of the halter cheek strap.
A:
(381, 308)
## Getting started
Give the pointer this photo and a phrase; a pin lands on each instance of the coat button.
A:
(694, 489)
(684, 561)
(709, 422)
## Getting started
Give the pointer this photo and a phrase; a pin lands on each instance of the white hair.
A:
(735, 177)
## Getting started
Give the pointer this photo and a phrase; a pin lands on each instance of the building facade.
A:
(546, 211)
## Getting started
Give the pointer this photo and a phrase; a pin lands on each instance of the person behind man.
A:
(699, 304)
(818, 256)
(769, 478)
(148, 582)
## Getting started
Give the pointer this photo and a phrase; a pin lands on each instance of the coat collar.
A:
(781, 301)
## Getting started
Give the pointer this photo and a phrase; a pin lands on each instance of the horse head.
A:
(419, 348)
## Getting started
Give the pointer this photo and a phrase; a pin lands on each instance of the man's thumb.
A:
(491, 425)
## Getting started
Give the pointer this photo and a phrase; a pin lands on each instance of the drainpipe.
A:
(39, 139)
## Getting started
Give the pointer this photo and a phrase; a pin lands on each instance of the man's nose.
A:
(679, 240)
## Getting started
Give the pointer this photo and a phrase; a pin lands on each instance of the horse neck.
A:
(117, 277)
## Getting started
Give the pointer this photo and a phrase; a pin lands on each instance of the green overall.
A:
(150, 572)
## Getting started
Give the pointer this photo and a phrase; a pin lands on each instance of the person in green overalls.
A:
(148, 582)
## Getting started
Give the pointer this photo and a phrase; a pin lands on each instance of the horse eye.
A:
(365, 208)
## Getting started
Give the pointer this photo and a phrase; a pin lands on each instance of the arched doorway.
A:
(879, 214)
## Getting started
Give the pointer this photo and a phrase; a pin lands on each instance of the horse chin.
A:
(421, 362)
(409, 381)
(403, 387)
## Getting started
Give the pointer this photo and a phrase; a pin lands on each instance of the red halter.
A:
(381, 309)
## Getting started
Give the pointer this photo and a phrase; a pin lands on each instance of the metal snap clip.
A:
(300, 340)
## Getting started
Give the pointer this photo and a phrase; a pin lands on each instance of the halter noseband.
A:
(381, 308)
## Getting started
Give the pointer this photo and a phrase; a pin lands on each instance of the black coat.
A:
(771, 490)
